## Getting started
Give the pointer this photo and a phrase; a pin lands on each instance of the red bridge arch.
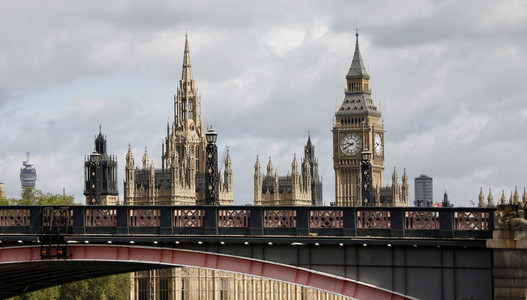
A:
(189, 258)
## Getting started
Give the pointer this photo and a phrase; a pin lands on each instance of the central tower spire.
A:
(187, 136)
(186, 75)
(187, 104)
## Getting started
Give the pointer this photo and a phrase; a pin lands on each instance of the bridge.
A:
(360, 252)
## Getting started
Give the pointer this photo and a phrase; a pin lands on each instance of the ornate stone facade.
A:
(394, 195)
(316, 180)
(357, 127)
(203, 284)
(302, 186)
(179, 181)
(514, 198)
(181, 178)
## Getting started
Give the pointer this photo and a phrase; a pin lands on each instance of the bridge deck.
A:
(255, 221)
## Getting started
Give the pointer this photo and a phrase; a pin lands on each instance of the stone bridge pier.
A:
(509, 245)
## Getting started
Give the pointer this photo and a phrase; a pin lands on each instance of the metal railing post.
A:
(349, 215)
(446, 222)
(256, 220)
(122, 219)
(302, 221)
(35, 219)
(397, 221)
(79, 219)
(167, 220)
(210, 220)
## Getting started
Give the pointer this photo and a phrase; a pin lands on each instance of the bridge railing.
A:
(459, 222)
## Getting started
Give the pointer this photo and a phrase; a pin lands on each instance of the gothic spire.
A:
(100, 143)
(146, 159)
(490, 199)
(186, 75)
(257, 165)
(294, 165)
(357, 68)
(228, 161)
(395, 177)
(481, 198)
(269, 167)
(129, 157)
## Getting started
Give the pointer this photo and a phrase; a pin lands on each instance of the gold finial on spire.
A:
(186, 32)
(357, 28)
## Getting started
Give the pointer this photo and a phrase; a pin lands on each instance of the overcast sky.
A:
(448, 76)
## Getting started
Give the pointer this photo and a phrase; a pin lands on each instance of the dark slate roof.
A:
(358, 104)
(357, 68)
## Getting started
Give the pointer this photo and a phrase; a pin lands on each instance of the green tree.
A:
(4, 201)
(32, 196)
(113, 287)
(110, 287)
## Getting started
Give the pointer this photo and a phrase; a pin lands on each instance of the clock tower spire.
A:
(358, 126)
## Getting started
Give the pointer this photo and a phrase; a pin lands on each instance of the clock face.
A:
(378, 144)
(351, 144)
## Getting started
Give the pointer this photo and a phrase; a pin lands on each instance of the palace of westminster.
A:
(180, 180)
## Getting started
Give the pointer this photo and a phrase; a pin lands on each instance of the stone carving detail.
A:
(511, 217)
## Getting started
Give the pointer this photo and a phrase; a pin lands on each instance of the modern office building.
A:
(424, 191)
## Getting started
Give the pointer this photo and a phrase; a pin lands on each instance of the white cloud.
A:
(281, 40)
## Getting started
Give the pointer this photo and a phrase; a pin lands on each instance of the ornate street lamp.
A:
(211, 171)
(366, 178)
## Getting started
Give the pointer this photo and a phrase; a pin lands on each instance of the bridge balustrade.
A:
(333, 221)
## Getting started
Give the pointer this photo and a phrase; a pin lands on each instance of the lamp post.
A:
(211, 172)
(366, 177)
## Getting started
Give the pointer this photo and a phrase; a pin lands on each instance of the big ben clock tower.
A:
(357, 127)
